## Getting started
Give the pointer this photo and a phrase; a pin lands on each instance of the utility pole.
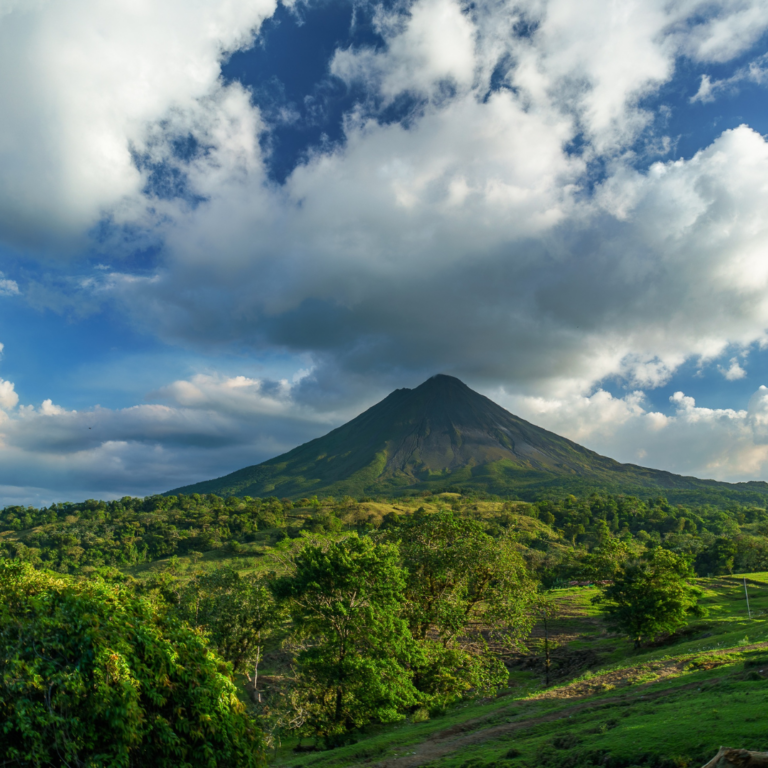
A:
(746, 594)
(546, 650)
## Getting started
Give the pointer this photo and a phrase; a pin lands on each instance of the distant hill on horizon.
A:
(443, 434)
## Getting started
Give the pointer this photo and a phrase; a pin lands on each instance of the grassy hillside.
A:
(671, 706)
(442, 435)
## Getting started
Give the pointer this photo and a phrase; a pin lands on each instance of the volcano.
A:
(440, 435)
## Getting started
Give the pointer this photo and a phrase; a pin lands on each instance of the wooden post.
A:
(546, 651)
(746, 594)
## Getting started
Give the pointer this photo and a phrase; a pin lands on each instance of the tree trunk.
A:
(738, 758)
(256, 694)
(339, 699)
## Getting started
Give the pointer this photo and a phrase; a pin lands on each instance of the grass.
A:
(668, 706)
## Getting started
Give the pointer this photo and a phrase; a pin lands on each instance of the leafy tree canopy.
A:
(239, 613)
(651, 595)
(463, 587)
(93, 675)
(345, 599)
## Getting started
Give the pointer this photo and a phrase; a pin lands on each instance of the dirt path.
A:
(445, 742)
(648, 672)
(450, 740)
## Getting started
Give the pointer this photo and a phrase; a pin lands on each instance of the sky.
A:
(228, 226)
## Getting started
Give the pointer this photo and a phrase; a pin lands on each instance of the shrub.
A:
(91, 674)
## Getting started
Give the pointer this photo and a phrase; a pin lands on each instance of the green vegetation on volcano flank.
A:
(444, 434)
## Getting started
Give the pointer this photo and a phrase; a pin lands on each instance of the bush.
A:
(566, 741)
(92, 674)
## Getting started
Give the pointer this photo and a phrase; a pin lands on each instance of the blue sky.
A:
(227, 227)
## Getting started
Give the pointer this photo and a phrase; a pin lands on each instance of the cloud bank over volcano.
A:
(508, 193)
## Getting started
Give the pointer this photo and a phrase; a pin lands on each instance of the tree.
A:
(92, 674)
(717, 558)
(464, 588)
(345, 599)
(650, 596)
(605, 561)
(546, 610)
(239, 613)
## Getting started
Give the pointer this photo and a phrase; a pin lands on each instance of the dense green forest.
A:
(132, 531)
(325, 617)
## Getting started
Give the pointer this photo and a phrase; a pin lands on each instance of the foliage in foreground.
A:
(454, 589)
(463, 589)
(239, 613)
(354, 668)
(92, 675)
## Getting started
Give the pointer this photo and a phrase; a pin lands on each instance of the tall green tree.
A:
(240, 614)
(345, 600)
(464, 590)
(606, 560)
(650, 596)
(92, 675)
(718, 557)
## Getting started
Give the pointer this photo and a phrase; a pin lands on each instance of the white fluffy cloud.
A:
(192, 429)
(8, 396)
(734, 371)
(473, 220)
(85, 82)
(721, 444)
(481, 260)
(435, 46)
(755, 72)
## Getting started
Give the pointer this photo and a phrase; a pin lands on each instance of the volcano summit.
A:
(439, 435)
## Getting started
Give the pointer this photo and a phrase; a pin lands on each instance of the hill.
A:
(444, 434)
(670, 705)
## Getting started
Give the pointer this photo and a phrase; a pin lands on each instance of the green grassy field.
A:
(671, 705)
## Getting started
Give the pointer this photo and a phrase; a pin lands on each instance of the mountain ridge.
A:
(440, 434)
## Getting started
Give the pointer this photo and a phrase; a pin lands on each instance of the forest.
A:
(316, 619)
(73, 538)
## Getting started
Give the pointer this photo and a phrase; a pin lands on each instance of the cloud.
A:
(472, 238)
(517, 227)
(240, 396)
(755, 72)
(207, 426)
(436, 45)
(734, 372)
(414, 247)
(91, 81)
(8, 397)
(369, 265)
(8, 287)
(717, 443)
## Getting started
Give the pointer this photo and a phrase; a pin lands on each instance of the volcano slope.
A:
(444, 434)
